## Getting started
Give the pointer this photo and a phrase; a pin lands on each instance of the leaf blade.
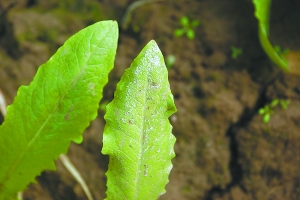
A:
(139, 141)
(56, 107)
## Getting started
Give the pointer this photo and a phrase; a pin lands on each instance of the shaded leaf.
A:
(195, 23)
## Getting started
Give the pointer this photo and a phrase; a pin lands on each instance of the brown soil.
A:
(223, 149)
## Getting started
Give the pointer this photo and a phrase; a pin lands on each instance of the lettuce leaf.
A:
(137, 135)
(56, 107)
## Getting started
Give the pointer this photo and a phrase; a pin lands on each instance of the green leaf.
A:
(277, 49)
(266, 118)
(184, 21)
(190, 34)
(284, 103)
(195, 23)
(179, 32)
(56, 107)
(274, 102)
(261, 111)
(284, 52)
(137, 135)
(235, 51)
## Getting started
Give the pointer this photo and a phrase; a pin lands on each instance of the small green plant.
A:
(187, 28)
(262, 12)
(63, 99)
(235, 52)
(267, 110)
(281, 51)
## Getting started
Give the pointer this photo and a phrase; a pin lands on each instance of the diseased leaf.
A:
(56, 107)
(137, 135)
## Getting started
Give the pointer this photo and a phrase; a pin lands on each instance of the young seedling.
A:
(281, 51)
(235, 52)
(63, 99)
(262, 12)
(170, 61)
(187, 28)
(267, 110)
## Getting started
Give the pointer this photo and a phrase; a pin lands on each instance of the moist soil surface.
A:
(223, 150)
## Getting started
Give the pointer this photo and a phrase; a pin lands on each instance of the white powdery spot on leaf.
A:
(139, 69)
(155, 61)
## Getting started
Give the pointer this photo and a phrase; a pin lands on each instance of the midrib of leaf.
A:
(32, 141)
(137, 100)
(136, 188)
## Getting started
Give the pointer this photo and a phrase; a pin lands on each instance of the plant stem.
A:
(72, 169)
(270, 51)
(127, 16)
(2, 104)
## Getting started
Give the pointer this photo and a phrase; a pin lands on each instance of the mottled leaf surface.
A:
(56, 107)
(137, 135)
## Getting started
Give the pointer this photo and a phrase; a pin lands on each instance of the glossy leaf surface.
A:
(137, 135)
(56, 107)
